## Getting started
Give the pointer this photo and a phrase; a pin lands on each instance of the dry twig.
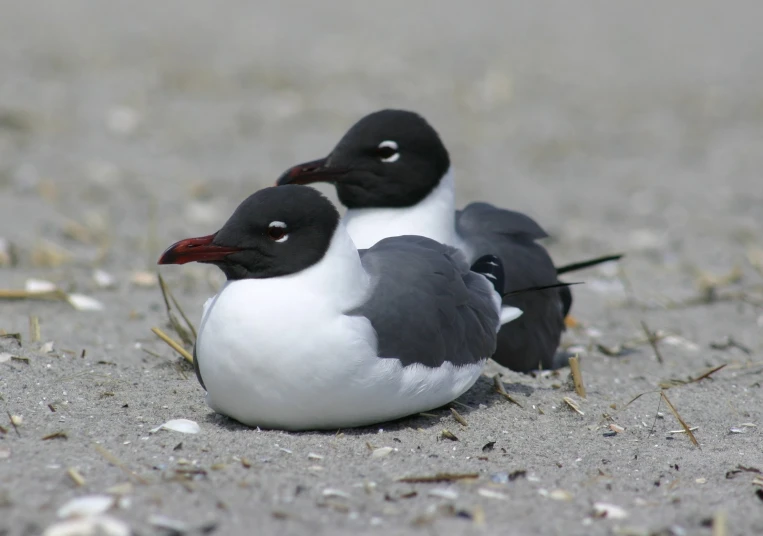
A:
(680, 420)
(108, 456)
(577, 376)
(458, 417)
(173, 344)
(501, 390)
(653, 340)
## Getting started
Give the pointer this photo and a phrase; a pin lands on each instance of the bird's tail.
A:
(587, 264)
(492, 268)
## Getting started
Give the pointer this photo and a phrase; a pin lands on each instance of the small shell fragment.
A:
(84, 303)
(560, 495)
(124, 488)
(616, 428)
(168, 524)
(609, 511)
(101, 525)
(103, 279)
(89, 505)
(675, 340)
(123, 120)
(573, 405)
(331, 492)
(381, 452)
(39, 286)
(5, 356)
(144, 279)
(184, 426)
(17, 420)
(556, 494)
(682, 431)
(314, 456)
(444, 493)
(47, 348)
(491, 494)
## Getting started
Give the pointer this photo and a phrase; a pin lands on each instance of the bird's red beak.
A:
(199, 249)
(310, 172)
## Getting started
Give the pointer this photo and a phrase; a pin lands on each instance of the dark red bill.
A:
(309, 172)
(199, 249)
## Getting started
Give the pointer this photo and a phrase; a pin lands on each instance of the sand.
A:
(633, 128)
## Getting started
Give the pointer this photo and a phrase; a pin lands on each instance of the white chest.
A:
(433, 217)
(271, 359)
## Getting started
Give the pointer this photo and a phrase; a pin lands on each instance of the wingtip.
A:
(509, 313)
(588, 263)
(491, 267)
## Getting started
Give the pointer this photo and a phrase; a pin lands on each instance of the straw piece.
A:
(34, 329)
(183, 333)
(653, 339)
(499, 388)
(719, 524)
(119, 463)
(438, 477)
(76, 476)
(577, 376)
(680, 420)
(172, 344)
(22, 294)
(459, 418)
(707, 374)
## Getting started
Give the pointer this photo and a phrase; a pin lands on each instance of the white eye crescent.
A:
(277, 231)
(388, 151)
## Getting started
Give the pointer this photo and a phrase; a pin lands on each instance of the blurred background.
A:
(618, 126)
(631, 127)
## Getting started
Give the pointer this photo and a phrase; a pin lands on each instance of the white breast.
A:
(433, 217)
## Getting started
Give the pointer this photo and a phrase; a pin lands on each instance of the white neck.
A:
(339, 273)
(433, 217)
(335, 284)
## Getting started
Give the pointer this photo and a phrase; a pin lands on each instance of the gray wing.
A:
(427, 307)
(531, 341)
(484, 218)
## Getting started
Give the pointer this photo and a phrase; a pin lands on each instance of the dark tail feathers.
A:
(491, 267)
(587, 264)
(543, 287)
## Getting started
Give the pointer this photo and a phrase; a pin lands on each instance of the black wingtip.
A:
(491, 267)
(587, 264)
(543, 287)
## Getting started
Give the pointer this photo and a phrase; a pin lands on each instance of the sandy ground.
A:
(126, 127)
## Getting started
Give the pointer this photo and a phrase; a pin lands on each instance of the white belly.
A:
(291, 362)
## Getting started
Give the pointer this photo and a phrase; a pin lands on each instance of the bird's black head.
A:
(390, 158)
(274, 232)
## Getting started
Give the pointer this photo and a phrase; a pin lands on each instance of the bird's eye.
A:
(387, 151)
(277, 231)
